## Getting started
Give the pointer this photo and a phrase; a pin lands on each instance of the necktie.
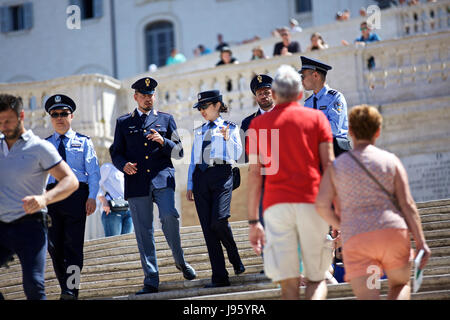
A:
(315, 102)
(143, 117)
(206, 148)
(61, 148)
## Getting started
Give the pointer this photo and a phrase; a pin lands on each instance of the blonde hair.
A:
(364, 121)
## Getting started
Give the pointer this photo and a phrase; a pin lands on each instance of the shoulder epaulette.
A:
(48, 138)
(332, 92)
(81, 135)
(230, 122)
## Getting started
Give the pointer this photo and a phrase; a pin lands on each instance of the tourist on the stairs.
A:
(216, 147)
(375, 211)
(292, 142)
(25, 162)
(116, 215)
(145, 140)
(66, 236)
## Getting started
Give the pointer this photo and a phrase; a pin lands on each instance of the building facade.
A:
(44, 39)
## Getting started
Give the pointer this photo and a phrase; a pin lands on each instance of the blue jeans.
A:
(142, 215)
(116, 223)
(28, 240)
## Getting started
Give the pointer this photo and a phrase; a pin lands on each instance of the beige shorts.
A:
(287, 225)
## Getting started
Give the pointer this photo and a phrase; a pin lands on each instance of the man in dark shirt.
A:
(286, 46)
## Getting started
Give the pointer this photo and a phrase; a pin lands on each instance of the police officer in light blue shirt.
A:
(217, 145)
(331, 102)
(66, 237)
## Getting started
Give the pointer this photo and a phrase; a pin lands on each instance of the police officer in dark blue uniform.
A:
(66, 236)
(217, 145)
(260, 86)
(145, 140)
(331, 102)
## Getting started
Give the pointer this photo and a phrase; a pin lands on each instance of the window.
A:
(16, 17)
(89, 8)
(302, 6)
(159, 41)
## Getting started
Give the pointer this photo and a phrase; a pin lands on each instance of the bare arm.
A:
(324, 200)
(254, 185)
(410, 212)
(67, 184)
(326, 154)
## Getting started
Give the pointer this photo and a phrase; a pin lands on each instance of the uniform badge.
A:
(199, 96)
(338, 106)
(259, 78)
(57, 99)
(147, 82)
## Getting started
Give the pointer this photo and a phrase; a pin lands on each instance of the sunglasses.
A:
(56, 115)
(204, 106)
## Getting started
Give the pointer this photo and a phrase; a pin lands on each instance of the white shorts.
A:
(286, 226)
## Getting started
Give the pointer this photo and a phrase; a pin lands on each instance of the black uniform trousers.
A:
(212, 191)
(66, 236)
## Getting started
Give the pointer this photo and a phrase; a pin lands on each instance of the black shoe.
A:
(147, 289)
(218, 284)
(188, 271)
(67, 295)
(239, 270)
(262, 271)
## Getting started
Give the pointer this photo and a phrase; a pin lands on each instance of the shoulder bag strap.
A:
(391, 196)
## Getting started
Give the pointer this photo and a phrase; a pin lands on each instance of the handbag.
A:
(392, 197)
(236, 177)
(118, 204)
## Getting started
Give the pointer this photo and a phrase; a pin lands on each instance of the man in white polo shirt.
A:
(25, 162)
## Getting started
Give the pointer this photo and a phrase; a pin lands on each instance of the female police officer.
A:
(216, 146)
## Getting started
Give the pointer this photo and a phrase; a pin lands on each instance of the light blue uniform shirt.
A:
(23, 172)
(332, 103)
(81, 158)
(228, 151)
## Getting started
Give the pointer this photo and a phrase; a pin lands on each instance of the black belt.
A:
(82, 186)
(38, 216)
(216, 164)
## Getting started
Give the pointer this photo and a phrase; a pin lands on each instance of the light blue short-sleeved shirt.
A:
(81, 158)
(23, 172)
(332, 103)
(228, 151)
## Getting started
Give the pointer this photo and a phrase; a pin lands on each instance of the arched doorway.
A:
(159, 41)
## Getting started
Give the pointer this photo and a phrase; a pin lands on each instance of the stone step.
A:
(436, 225)
(434, 217)
(433, 203)
(134, 282)
(432, 230)
(112, 266)
(439, 247)
(166, 265)
(440, 283)
(163, 252)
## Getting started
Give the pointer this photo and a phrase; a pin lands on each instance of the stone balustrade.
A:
(395, 23)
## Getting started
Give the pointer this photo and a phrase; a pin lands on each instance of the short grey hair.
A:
(287, 83)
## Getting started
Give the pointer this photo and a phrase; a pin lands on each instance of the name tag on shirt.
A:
(322, 107)
(75, 145)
